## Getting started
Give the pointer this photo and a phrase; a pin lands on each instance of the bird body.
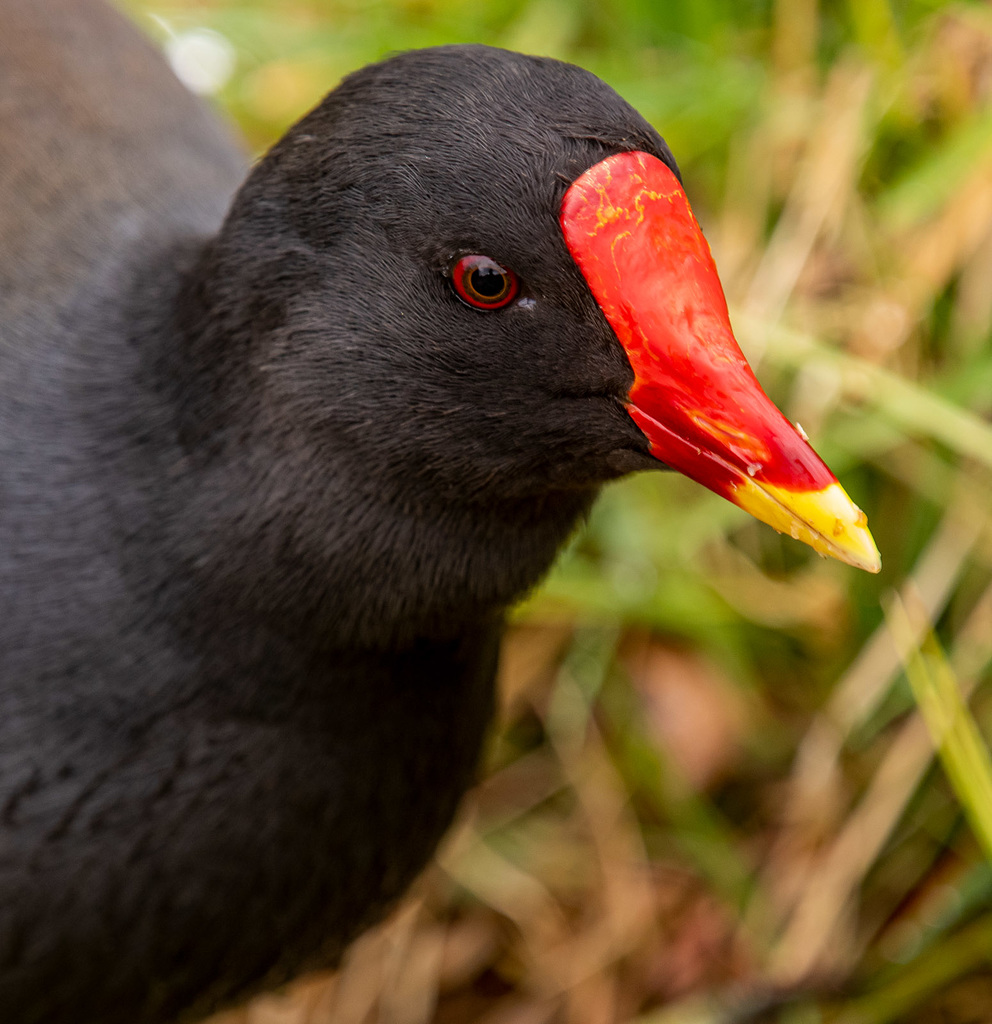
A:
(267, 488)
(211, 772)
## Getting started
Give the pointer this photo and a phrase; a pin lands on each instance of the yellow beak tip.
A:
(827, 520)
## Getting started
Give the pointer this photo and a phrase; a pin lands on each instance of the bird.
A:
(280, 445)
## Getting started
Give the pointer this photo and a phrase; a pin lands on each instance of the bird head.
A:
(500, 293)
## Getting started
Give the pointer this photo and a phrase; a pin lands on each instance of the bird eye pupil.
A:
(489, 282)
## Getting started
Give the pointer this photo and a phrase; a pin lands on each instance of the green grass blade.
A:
(909, 405)
(955, 735)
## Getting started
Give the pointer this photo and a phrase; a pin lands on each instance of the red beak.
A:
(629, 227)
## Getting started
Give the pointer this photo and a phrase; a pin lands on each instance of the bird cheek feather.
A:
(628, 226)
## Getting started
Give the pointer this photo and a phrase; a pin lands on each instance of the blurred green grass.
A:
(710, 797)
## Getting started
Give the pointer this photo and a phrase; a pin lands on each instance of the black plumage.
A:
(266, 492)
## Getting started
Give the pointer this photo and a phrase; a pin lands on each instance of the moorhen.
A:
(273, 469)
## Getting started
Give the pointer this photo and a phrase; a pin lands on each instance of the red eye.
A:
(483, 283)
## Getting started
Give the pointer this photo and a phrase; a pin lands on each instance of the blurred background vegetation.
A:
(711, 795)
